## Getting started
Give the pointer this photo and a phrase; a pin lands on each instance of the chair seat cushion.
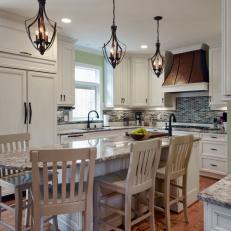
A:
(116, 178)
(18, 179)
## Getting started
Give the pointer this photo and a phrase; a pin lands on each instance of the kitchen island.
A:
(112, 155)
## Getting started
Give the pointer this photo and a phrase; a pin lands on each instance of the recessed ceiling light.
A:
(66, 20)
(144, 46)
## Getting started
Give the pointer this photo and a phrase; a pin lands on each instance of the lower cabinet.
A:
(27, 101)
(216, 218)
(213, 149)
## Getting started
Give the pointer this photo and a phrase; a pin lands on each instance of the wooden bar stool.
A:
(67, 194)
(14, 181)
(176, 168)
(144, 160)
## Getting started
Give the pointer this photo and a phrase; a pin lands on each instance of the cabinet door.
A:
(117, 82)
(126, 82)
(156, 94)
(41, 97)
(226, 49)
(215, 78)
(139, 80)
(12, 101)
(66, 73)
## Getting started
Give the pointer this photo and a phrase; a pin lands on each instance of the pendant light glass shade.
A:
(157, 60)
(41, 30)
(114, 50)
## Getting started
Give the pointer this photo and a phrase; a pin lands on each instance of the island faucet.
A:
(172, 116)
(88, 117)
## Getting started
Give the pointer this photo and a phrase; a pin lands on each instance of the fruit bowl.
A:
(137, 136)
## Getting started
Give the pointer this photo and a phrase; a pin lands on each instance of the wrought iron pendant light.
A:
(114, 50)
(41, 30)
(157, 59)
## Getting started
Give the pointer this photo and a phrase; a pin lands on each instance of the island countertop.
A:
(219, 193)
(107, 149)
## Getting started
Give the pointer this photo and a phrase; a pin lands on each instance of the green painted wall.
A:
(229, 137)
(89, 58)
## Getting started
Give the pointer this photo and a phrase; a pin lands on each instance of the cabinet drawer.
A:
(213, 165)
(214, 137)
(216, 149)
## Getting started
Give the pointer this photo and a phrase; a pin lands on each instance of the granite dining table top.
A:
(106, 149)
(219, 193)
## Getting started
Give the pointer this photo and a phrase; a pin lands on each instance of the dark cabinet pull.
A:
(25, 53)
(213, 165)
(30, 113)
(25, 113)
(162, 100)
(146, 101)
(64, 96)
(213, 149)
(213, 137)
(124, 100)
(61, 97)
(78, 135)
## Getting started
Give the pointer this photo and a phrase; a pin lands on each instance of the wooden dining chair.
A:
(72, 192)
(176, 168)
(13, 181)
(140, 177)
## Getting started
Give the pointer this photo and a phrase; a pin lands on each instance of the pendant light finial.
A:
(157, 60)
(114, 50)
(39, 27)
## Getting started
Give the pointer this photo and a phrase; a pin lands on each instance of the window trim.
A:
(97, 86)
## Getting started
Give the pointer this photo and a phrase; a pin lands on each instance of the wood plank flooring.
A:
(195, 216)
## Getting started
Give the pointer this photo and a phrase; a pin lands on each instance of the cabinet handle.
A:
(25, 53)
(30, 111)
(25, 113)
(121, 100)
(213, 149)
(210, 98)
(146, 101)
(61, 97)
(213, 165)
(162, 100)
(213, 137)
(64, 96)
(124, 100)
(72, 136)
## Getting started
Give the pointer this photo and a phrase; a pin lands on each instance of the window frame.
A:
(98, 87)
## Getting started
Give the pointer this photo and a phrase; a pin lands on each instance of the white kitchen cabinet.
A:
(213, 149)
(215, 95)
(66, 73)
(42, 103)
(139, 82)
(27, 101)
(16, 50)
(13, 99)
(157, 97)
(117, 84)
(226, 49)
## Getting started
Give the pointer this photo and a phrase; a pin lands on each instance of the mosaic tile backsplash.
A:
(188, 110)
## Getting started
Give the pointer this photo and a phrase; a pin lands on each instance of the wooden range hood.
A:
(187, 71)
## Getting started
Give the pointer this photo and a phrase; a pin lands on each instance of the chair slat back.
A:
(179, 154)
(72, 172)
(144, 161)
(13, 143)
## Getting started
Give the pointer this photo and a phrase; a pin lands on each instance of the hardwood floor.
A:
(195, 216)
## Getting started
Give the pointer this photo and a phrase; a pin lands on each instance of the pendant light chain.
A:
(158, 25)
(113, 13)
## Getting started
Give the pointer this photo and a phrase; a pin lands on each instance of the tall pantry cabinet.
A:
(27, 87)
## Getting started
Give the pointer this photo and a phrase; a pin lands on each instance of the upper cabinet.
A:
(66, 73)
(226, 49)
(16, 50)
(215, 95)
(117, 84)
(139, 82)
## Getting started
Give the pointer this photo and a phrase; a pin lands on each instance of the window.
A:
(87, 91)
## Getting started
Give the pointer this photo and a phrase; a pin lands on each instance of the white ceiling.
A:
(185, 23)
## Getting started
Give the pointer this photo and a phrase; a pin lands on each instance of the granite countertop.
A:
(219, 193)
(107, 149)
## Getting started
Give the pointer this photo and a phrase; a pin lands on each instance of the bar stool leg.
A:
(128, 209)
(166, 204)
(0, 202)
(151, 209)
(185, 198)
(18, 209)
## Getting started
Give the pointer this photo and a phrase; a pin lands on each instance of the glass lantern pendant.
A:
(41, 30)
(157, 60)
(114, 50)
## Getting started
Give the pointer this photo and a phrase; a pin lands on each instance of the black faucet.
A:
(170, 123)
(88, 117)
